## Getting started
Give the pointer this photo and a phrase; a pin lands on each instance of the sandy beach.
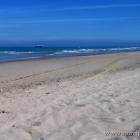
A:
(71, 98)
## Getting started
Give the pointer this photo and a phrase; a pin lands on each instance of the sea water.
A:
(17, 53)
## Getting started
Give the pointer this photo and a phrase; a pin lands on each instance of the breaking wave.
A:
(14, 52)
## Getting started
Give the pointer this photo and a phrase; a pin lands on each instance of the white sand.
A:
(83, 108)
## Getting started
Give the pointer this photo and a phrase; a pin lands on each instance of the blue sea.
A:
(18, 53)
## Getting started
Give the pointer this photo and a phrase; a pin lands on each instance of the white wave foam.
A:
(84, 51)
(78, 51)
(75, 51)
(128, 48)
(14, 52)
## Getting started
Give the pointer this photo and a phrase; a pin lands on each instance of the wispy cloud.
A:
(81, 20)
(101, 7)
(27, 21)
(53, 8)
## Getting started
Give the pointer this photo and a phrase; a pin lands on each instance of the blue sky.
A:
(69, 22)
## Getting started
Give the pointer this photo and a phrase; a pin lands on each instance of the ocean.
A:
(18, 53)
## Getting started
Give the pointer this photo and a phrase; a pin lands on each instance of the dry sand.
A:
(72, 98)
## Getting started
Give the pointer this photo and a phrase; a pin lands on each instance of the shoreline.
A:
(72, 98)
(51, 57)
